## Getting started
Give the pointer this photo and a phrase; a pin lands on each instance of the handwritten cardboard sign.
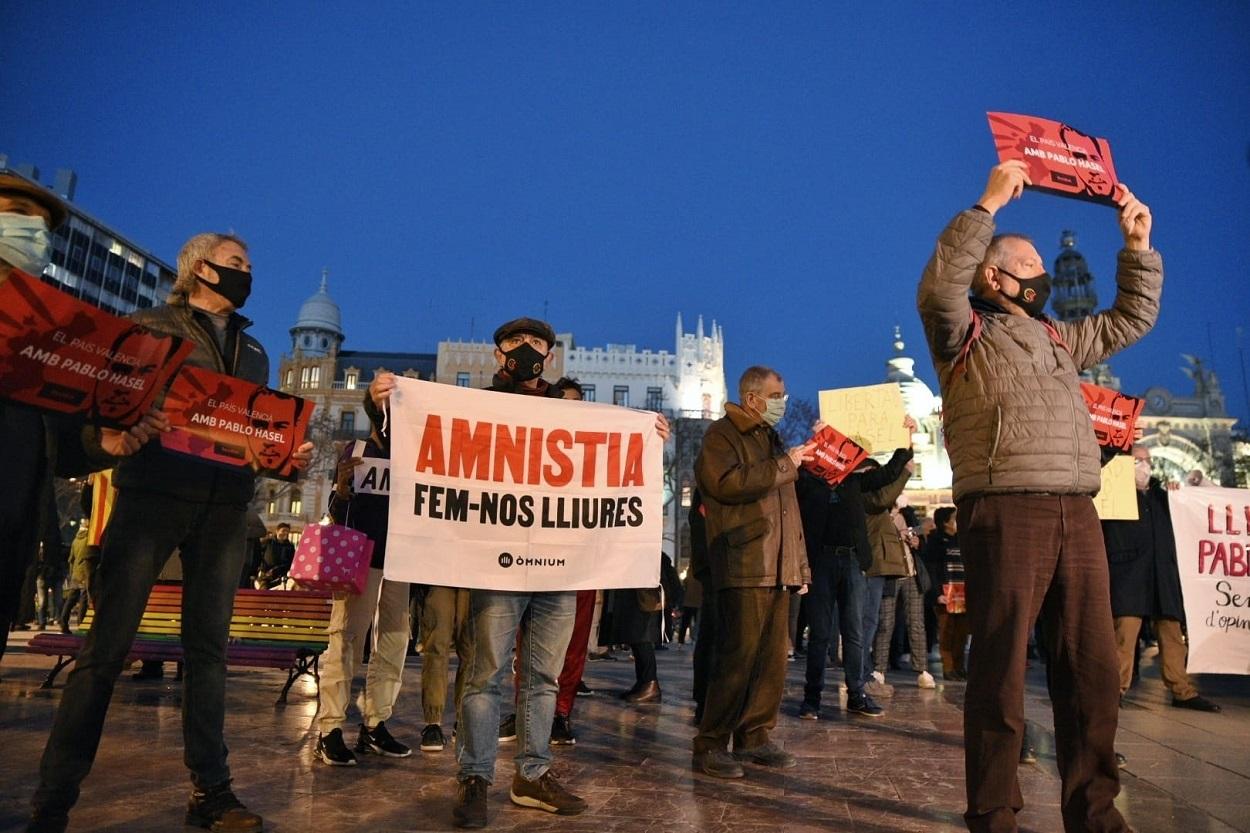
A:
(871, 415)
(235, 423)
(1061, 159)
(61, 354)
(1117, 499)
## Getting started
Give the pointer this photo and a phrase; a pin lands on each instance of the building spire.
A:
(899, 345)
(325, 276)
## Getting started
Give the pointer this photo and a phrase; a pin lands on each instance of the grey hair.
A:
(753, 379)
(198, 248)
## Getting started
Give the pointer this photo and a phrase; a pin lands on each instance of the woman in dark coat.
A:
(632, 617)
(1146, 585)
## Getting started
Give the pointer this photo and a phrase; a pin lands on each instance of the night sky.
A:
(781, 168)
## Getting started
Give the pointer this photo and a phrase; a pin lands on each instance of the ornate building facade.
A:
(334, 380)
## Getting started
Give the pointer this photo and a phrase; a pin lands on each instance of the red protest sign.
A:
(836, 456)
(64, 355)
(1114, 415)
(1061, 159)
(233, 422)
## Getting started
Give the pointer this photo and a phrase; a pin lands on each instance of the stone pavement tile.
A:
(901, 773)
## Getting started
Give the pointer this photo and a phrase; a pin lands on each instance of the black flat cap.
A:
(526, 325)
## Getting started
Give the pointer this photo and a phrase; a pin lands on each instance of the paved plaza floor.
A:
(1187, 772)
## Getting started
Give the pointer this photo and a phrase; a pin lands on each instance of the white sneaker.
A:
(925, 680)
(878, 676)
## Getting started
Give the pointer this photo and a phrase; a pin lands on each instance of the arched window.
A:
(297, 502)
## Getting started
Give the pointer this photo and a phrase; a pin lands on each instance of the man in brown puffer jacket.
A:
(1026, 465)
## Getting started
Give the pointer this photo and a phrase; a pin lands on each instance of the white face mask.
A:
(25, 242)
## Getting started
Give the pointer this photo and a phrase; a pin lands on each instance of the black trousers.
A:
(644, 663)
(705, 646)
(142, 533)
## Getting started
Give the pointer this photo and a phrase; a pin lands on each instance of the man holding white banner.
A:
(525, 503)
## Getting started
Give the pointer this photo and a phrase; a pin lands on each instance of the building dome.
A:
(918, 398)
(320, 312)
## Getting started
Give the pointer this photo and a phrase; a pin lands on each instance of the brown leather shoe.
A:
(649, 693)
(218, 810)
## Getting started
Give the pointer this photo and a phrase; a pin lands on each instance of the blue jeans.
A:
(494, 616)
(837, 588)
(874, 587)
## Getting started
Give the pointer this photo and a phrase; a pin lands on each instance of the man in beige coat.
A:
(1026, 464)
(757, 558)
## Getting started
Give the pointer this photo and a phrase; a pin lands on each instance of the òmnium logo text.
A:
(507, 559)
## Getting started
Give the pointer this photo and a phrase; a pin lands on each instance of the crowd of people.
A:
(785, 565)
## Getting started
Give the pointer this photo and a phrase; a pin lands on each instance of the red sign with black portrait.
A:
(64, 355)
(1061, 159)
(235, 423)
(836, 455)
(1113, 414)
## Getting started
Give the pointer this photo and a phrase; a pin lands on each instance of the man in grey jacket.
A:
(1026, 465)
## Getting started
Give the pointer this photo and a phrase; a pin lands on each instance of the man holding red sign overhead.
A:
(1026, 465)
(166, 500)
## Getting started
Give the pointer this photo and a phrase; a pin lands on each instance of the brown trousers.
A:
(952, 636)
(1025, 554)
(444, 624)
(1172, 654)
(749, 668)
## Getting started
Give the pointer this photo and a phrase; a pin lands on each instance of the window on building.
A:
(305, 375)
(271, 504)
(347, 421)
(462, 379)
(588, 393)
(297, 502)
(349, 381)
(655, 399)
(290, 379)
(620, 395)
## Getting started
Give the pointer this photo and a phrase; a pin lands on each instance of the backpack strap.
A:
(974, 333)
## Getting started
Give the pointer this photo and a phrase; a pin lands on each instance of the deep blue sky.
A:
(781, 168)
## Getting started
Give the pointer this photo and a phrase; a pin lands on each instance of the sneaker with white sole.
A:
(378, 741)
(925, 680)
(545, 794)
(432, 739)
(332, 749)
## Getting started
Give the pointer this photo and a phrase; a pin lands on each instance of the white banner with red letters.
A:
(1212, 527)
(502, 491)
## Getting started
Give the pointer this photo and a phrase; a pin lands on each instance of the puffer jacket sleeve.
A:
(943, 294)
(726, 477)
(1139, 284)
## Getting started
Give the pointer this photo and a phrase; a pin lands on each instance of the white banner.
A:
(507, 492)
(1212, 527)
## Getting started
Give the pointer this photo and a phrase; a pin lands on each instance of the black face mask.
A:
(523, 362)
(232, 284)
(1033, 293)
